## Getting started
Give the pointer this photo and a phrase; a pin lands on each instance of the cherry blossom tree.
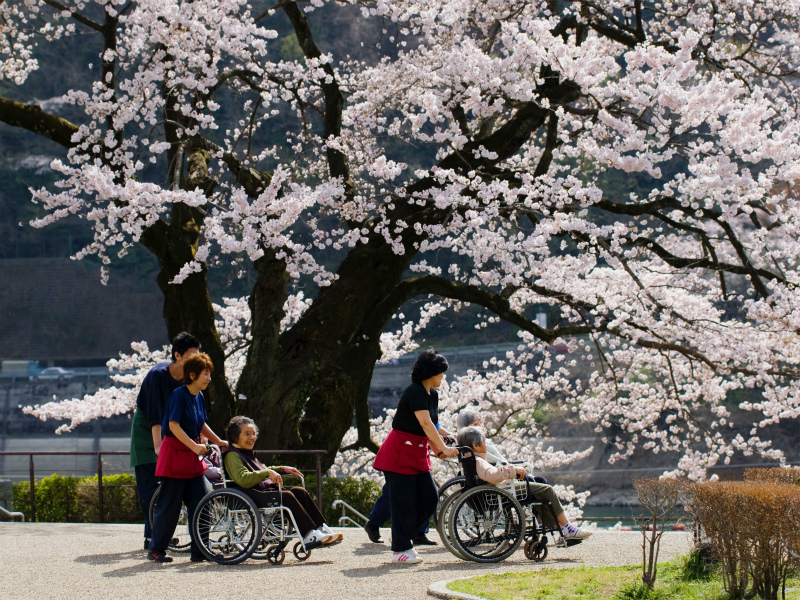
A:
(632, 164)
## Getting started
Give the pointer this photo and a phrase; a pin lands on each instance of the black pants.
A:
(382, 510)
(413, 501)
(147, 484)
(168, 510)
(296, 499)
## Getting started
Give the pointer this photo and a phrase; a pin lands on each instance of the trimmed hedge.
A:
(69, 499)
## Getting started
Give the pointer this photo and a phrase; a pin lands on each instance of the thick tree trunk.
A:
(187, 306)
(304, 390)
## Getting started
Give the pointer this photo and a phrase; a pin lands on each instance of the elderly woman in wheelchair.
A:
(251, 514)
(262, 484)
(486, 520)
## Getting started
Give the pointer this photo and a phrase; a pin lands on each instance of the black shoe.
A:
(198, 558)
(159, 556)
(147, 543)
(373, 533)
(422, 540)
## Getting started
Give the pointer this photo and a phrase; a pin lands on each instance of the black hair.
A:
(428, 364)
(234, 427)
(182, 342)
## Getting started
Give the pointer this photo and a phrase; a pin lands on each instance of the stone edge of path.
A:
(438, 589)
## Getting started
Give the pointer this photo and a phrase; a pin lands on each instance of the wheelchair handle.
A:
(465, 452)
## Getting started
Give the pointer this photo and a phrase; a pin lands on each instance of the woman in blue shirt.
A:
(179, 463)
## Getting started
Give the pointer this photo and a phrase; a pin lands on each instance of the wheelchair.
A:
(230, 528)
(488, 523)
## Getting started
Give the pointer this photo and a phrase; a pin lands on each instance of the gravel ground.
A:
(42, 560)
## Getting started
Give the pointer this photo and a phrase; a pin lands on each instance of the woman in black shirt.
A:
(404, 457)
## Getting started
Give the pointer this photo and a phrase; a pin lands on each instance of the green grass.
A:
(677, 580)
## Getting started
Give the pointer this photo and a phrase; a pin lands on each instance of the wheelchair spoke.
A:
(228, 526)
(487, 524)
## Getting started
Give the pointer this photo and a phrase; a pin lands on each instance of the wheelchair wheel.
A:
(276, 555)
(443, 528)
(228, 526)
(486, 523)
(181, 539)
(300, 553)
(445, 491)
(536, 551)
(260, 552)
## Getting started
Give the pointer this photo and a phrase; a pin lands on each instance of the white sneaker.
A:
(315, 536)
(571, 531)
(332, 535)
(407, 557)
(414, 552)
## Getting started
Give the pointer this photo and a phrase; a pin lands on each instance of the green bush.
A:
(69, 499)
(698, 565)
(639, 591)
(358, 493)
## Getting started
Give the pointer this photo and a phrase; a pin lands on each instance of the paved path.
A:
(41, 561)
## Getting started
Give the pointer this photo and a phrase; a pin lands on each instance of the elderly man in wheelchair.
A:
(486, 519)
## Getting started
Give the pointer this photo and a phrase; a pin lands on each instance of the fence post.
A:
(100, 485)
(319, 483)
(33, 490)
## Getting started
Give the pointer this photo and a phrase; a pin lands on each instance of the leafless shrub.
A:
(660, 500)
(753, 528)
(778, 475)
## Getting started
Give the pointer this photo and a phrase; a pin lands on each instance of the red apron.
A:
(177, 461)
(404, 453)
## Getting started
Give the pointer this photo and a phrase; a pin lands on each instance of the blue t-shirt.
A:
(188, 410)
(156, 388)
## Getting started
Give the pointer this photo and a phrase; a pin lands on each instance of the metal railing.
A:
(11, 514)
(100, 454)
(344, 518)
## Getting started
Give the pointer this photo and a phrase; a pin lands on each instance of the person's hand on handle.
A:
(275, 477)
(199, 449)
(447, 452)
(520, 472)
(291, 471)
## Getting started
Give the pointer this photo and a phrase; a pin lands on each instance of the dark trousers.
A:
(296, 499)
(382, 510)
(147, 484)
(412, 500)
(165, 517)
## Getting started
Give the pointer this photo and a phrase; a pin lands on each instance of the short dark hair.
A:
(182, 342)
(234, 427)
(428, 364)
(195, 365)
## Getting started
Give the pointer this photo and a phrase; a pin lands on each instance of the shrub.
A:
(69, 499)
(358, 492)
(697, 565)
(61, 499)
(120, 499)
(753, 528)
(639, 591)
(55, 498)
(660, 500)
(789, 475)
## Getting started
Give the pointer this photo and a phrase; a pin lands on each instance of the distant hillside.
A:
(57, 310)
